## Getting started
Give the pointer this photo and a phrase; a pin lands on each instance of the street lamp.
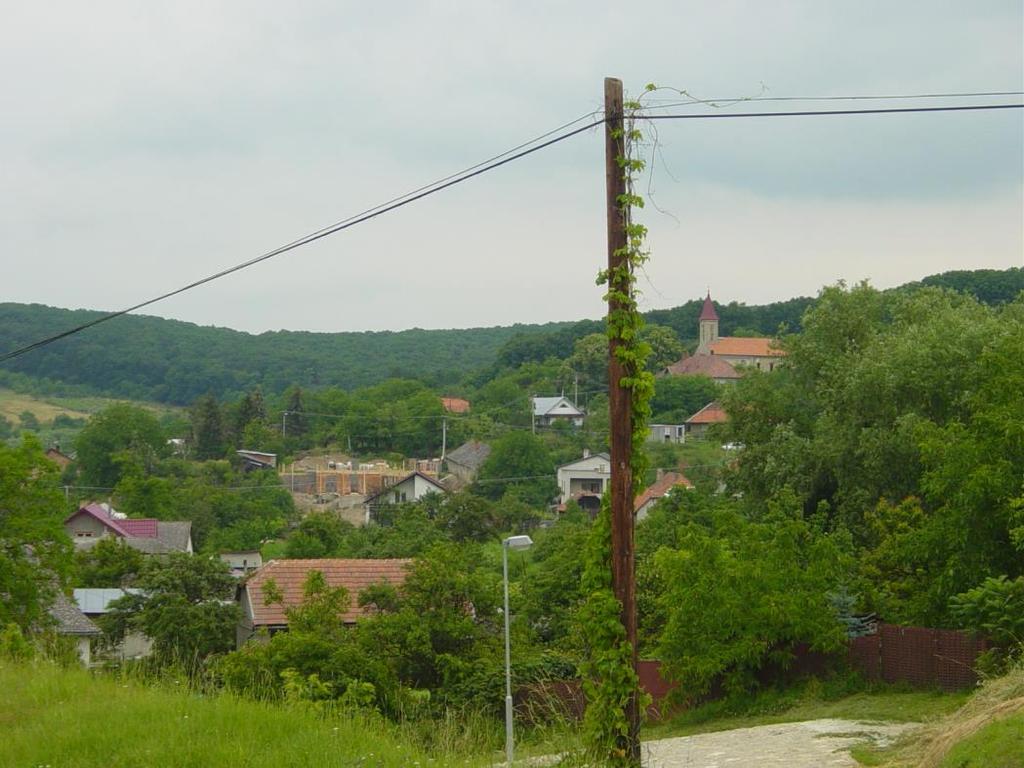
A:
(512, 542)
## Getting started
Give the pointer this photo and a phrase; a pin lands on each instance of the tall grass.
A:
(990, 722)
(74, 719)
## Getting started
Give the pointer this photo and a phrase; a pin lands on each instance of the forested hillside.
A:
(150, 358)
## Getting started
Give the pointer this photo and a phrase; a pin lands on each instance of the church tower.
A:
(708, 326)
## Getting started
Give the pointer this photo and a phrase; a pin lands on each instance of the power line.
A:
(370, 213)
(695, 101)
(829, 112)
(458, 178)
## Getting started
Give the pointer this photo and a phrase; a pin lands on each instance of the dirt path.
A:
(810, 744)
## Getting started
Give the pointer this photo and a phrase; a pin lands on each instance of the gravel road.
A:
(810, 744)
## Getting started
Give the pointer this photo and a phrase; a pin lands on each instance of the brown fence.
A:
(918, 655)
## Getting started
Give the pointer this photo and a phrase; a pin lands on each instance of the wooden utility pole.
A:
(619, 400)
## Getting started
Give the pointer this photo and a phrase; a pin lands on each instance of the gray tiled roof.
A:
(472, 454)
(175, 534)
(70, 620)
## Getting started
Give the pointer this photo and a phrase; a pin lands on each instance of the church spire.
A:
(707, 312)
(708, 324)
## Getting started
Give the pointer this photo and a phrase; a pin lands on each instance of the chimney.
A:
(586, 453)
(660, 475)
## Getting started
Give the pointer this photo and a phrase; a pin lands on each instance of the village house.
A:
(94, 603)
(412, 487)
(666, 433)
(254, 460)
(550, 410)
(465, 461)
(289, 577)
(69, 621)
(698, 425)
(58, 457)
(242, 563)
(584, 480)
(93, 522)
(665, 484)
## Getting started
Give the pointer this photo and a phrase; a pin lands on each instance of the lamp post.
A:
(512, 542)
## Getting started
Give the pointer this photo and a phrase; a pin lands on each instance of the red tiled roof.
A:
(455, 404)
(668, 481)
(707, 312)
(145, 528)
(290, 575)
(712, 413)
(745, 346)
(706, 365)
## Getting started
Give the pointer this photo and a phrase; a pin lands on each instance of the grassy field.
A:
(45, 408)
(70, 718)
(999, 744)
(986, 732)
(13, 404)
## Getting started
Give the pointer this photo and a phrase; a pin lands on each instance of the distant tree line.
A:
(167, 361)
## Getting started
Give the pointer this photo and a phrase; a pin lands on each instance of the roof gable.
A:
(411, 476)
(101, 515)
(290, 576)
(555, 406)
(712, 413)
(603, 456)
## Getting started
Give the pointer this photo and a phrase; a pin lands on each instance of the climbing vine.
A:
(609, 679)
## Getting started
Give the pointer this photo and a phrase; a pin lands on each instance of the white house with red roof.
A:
(94, 521)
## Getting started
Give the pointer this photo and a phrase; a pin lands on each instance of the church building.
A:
(718, 356)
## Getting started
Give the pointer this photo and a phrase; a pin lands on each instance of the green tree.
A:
(522, 459)
(185, 604)
(297, 425)
(117, 430)
(35, 554)
(110, 563)
(208, 428)
(740, 594)
(677, 398)
(250, 408)
(666, 348)
(318, 535)
(29, 421)
(589, 360)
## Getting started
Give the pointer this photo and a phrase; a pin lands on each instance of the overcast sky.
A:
(145, 145)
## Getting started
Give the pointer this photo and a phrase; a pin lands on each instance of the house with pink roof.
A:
(93, 522)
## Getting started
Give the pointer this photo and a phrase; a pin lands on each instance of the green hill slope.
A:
(168, 361)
